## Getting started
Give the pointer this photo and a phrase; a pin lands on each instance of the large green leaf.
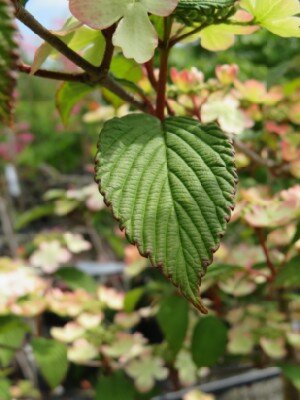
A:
(8, 59)
(209, 341)
(51, 357)
(172, 187)
(174, 329)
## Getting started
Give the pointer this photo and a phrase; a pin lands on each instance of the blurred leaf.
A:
(68, 95)
(173, 320)
(289, 274)
(5, 389)
(76, 279)
(32, 215)
(12, 334)
(292, 372)
(8, 59)
(131, 299)
(209, 341)
(51, 357)
(115, 387)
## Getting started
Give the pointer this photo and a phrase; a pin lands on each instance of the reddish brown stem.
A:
(150, 73)
(163, 73)
(262, 241)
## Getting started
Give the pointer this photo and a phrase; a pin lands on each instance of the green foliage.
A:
(289, 274)
(131, 299)
(8, 59)
(209, 341)
(5, 389)
(68, 95)
(115, 387)
(172, 188)
(204, 11)
(173, 320)
(51, 357)
(292, 372)
(76, 279)
(10, 342)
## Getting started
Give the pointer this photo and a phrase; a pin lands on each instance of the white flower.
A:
(134, 34)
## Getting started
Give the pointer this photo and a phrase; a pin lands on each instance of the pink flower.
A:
(186, 80)
(227, 73)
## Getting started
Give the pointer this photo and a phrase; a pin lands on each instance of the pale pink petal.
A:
(98, 14)
(159, 7)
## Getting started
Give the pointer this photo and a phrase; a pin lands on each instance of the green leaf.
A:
(38, 212)
(131, 299)
(5, 389)
(115, 387)
(209, 341)
(68, 95)
(289, 274)
(174, 327)
(76, 279)
(279, 17)
(8, 59)
(11, 343)
(200, 4)
(204, 11)
(51, 357)
(292, 372)
(172, 187)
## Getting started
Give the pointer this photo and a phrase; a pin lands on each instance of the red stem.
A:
(163, 74)
(262, 241)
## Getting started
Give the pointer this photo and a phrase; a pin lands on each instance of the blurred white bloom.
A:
(76, 243)
(49, 256)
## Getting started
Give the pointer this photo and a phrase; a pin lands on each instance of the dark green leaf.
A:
(289, 274)
(115, 387)
(76, 279)
(51, 357)
(173, 318)
(172, 187)
(209, 341)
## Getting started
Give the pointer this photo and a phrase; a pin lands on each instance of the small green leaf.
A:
(115, 387)
(173, 327)
(131, 299)
(8, 59)
(51, 357)
(172, 187)
(68, 95)
(11, 343)
(209, 341)
(292, 372)
(76, 279)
